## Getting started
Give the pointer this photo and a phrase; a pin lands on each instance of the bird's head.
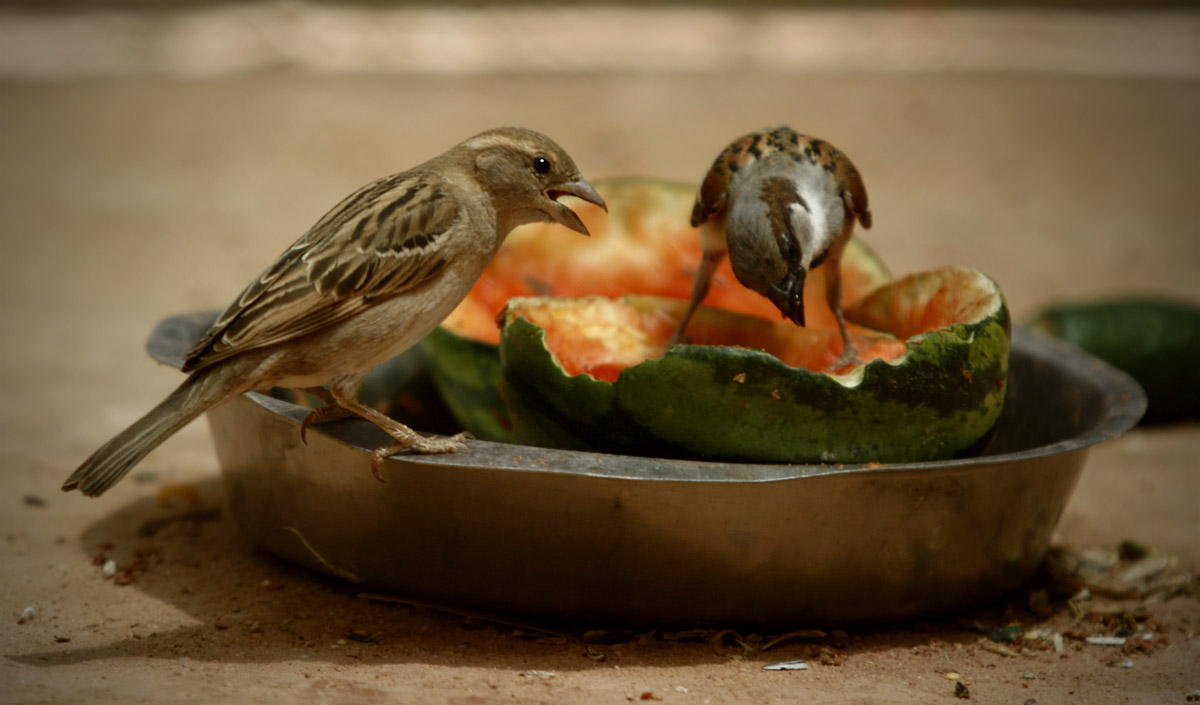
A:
(757, 264)
(788, 295)
(525, 173)
(773, 241)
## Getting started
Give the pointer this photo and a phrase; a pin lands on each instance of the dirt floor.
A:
(123, 201)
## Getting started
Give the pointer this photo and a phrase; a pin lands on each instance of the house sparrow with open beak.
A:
(369, 280)
(780, 204)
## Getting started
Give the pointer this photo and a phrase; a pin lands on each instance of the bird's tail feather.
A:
(114, 459)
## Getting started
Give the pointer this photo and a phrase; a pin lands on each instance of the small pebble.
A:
(797, 665)
(1132, 550)
(145, 476)
(26, 615)
(1127, 663)
(1106, 640)
(952, 676)
(110, 568)
(1029, 676)
(1145, 568)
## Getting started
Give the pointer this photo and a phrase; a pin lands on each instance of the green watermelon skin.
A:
(466, 374)
(940, 400)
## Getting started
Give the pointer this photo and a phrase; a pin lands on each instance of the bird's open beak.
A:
(790, 298)
(578, 188)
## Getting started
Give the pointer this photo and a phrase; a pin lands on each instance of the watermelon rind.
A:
(938, 400)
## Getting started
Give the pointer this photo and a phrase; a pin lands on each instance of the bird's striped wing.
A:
(380, 241)
(854, 192)
(713, 193)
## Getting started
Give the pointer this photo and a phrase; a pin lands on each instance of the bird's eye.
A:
(541, 165)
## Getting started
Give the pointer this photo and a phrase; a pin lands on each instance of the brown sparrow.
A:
(780, 204)
(370, 279)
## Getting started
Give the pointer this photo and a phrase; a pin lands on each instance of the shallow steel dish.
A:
(667, 542)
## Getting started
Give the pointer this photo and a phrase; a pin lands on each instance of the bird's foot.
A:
(845, 362)
(403, 437)
(325, 413)
(849, 358)
(417, 444)
(332, 411)
(442, 444)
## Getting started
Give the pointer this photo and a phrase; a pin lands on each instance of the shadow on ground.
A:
(183, 549)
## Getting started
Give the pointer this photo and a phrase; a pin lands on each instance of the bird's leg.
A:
(345, 395)
(332, 411)
(833, 297)
(708, 265)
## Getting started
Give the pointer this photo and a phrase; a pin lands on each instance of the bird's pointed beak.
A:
(580, 189)
(789, 299)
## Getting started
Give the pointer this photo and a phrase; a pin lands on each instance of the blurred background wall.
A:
(1052, 145)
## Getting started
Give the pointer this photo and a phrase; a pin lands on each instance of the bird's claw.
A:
(423, 445)
(846, 361)
(325, 413)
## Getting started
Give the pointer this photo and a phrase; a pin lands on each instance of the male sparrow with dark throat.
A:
(779, 204)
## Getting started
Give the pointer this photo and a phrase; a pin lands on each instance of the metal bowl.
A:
(639, 540)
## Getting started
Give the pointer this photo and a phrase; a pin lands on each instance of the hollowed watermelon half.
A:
(593, 374)
(642, 245)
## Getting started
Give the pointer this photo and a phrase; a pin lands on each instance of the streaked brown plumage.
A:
(779, 204)
(370, 279)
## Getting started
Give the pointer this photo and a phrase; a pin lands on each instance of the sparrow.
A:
(780, 204)
(375, 274)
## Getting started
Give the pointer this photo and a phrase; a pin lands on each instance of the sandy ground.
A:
(124, 201)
